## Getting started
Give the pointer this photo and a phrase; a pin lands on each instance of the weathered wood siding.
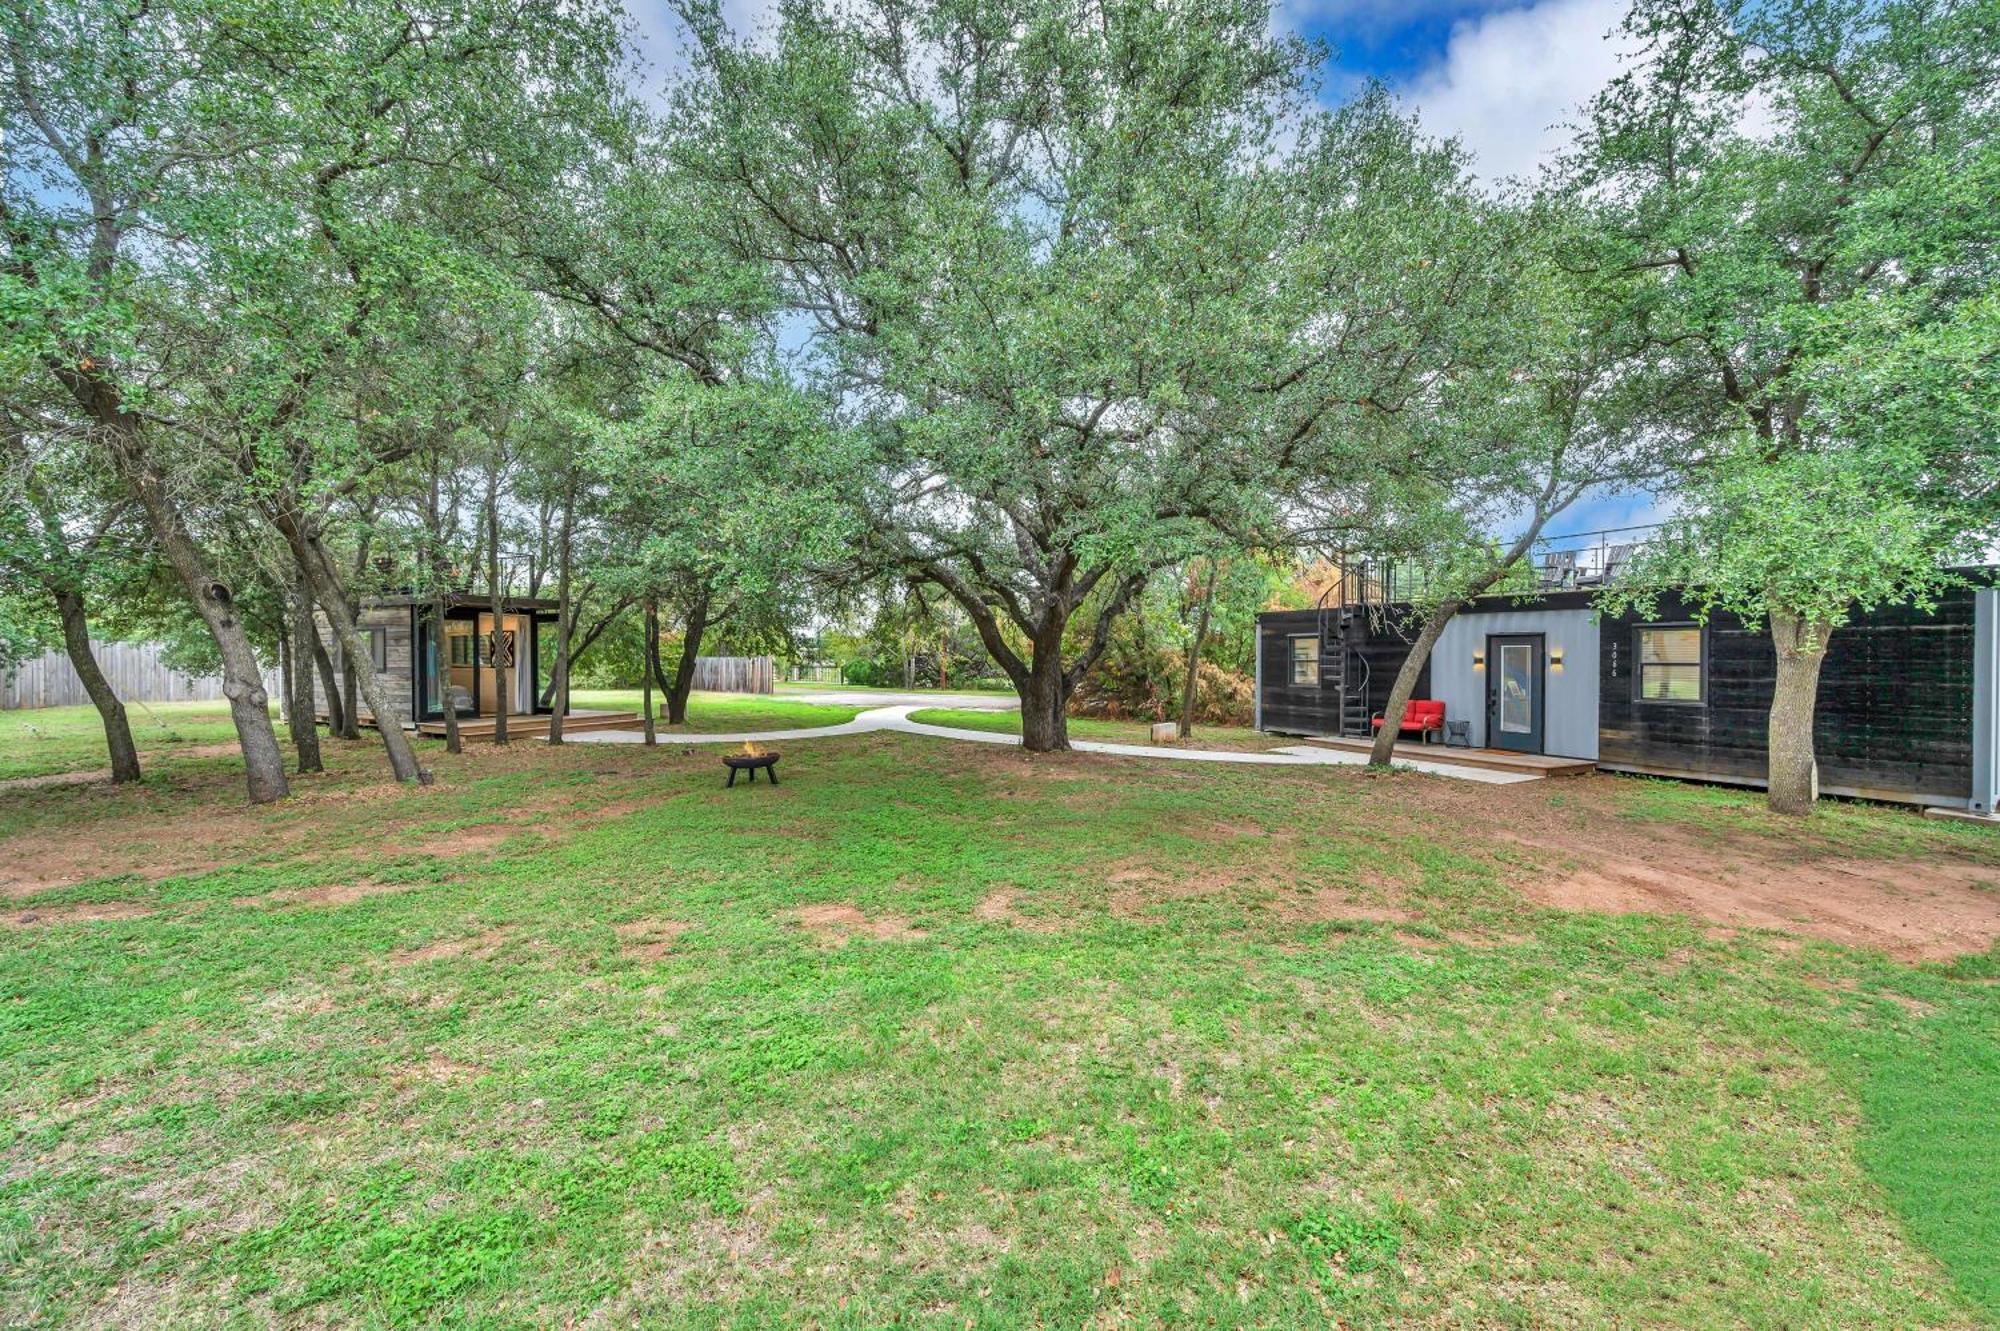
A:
(735, 674)
(134, 669)
(1894, 715)
(1308, 710)
(393, 621)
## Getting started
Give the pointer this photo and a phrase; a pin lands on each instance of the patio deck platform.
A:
(1492, 760)
(520, 725)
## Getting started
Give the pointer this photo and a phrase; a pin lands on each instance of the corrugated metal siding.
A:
(1306, 709)
(1570, 705)
(1894, 716)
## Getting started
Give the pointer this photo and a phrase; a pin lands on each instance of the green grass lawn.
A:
(712, 712)
(50, 740)
(47, 740)
(1084, 727)
(994, 686)
(945, 1035)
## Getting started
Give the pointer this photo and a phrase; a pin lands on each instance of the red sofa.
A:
(1421, 715)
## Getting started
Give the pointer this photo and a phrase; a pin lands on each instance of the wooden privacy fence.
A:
(735, 674)
(135, 670)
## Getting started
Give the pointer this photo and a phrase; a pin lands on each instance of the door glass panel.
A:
(1516, 706)
(433, 677)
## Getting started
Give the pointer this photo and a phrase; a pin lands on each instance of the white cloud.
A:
(1509, 82)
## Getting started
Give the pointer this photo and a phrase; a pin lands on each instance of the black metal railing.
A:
(1574, 560)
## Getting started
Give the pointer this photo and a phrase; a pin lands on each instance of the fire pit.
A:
(748, 759)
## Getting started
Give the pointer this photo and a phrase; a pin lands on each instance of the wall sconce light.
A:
(1479, 660)
(1556, 659)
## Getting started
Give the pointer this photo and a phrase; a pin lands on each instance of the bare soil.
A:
(838, 923)
(1922, 911)
(91, 912)
(648, 940)
(479, 947)
(1584, 853)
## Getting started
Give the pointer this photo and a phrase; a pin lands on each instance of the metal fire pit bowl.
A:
(750, 762)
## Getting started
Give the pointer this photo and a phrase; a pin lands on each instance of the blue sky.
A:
(1503, 76)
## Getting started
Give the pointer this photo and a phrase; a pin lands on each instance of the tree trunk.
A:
(1045, 702)
(336, 714)
(1794, 769)
(453, 741)
(499, 604)
(682, 684)
(305, 731)
(562, 615)
(117, 729)
(440, 644)
(242, 676)
(288, 688)
(648, 667)
(402, 758)
(350, 684)
(319, 579)
(1406, 682)
(1194, 654)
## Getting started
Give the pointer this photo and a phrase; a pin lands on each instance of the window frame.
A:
(1639, 632)
(1293, 660)
(378, 648)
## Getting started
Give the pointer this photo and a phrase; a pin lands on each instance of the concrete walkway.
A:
(897, 718)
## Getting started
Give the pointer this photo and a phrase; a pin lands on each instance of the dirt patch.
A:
(621, 808)
(997, 907)
(479, 947)
(55, 779)
(1927, 911)
(648, 940)
(1331, 905)
(837, 923)
(436, 1069)
(465, 841)
(88, 912)
(1575, 845)
(328, 894)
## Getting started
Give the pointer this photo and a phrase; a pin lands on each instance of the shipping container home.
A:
(475, 664)
(1905, 709)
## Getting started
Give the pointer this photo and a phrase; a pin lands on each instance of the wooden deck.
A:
(519, 724)
(1493, 760)
(522, 726)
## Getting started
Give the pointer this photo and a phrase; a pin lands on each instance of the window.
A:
(1305, 660)
(461, 648)
(1670, 665)
(378, 649)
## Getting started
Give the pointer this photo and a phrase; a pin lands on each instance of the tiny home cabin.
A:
(473, 664)
(1905, 711)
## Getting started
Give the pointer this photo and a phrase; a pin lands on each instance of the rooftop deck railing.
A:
(1574, 561)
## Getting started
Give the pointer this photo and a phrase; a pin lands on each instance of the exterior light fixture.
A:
(1479, 660)
(1556, 659)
